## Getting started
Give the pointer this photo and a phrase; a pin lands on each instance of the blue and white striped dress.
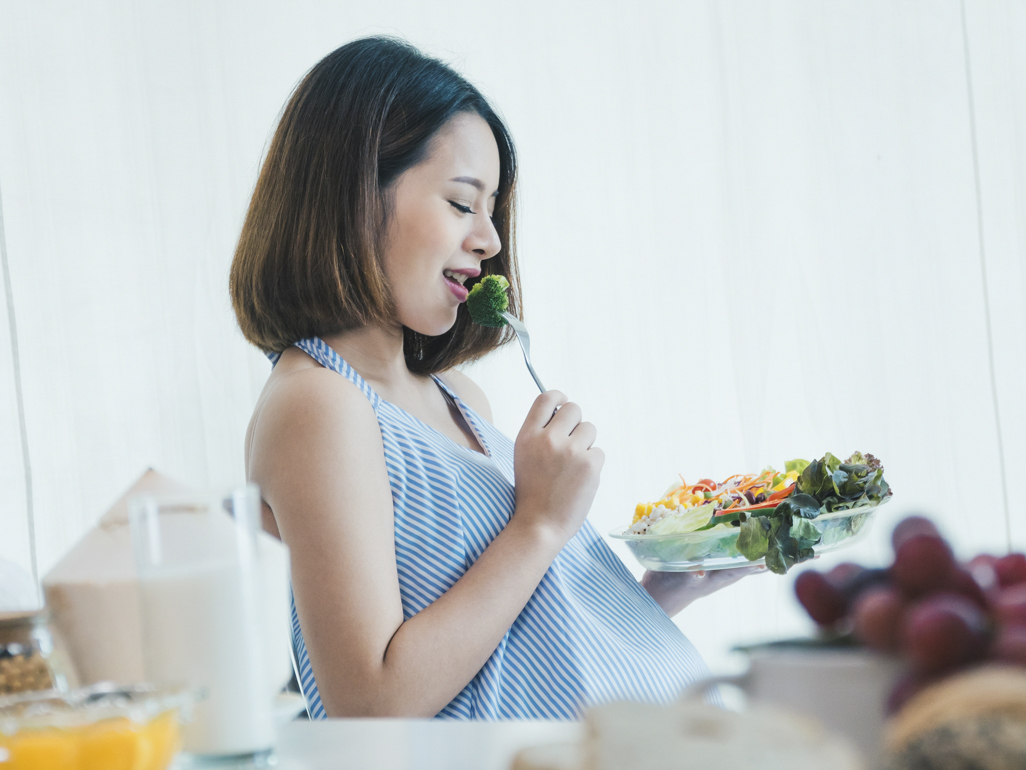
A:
(589, 634)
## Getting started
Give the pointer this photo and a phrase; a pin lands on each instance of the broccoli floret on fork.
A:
(487, 301)
(488, 304)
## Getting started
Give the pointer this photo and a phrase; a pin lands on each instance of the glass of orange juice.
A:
(101, 727)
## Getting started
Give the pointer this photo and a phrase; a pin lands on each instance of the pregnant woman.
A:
(438, 568)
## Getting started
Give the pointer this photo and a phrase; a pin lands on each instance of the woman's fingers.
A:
(584, 434)
(542, 409)
(721, 578)
(557, 468)
(566, 419)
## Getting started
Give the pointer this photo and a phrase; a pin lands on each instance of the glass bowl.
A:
(100, 726)
(717, 548)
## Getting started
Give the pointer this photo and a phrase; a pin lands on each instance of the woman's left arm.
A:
(673, 591)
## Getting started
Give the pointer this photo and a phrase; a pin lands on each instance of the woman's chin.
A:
(434, 327)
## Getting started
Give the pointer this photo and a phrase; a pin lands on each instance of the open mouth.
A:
(459, 278)
(455, 283)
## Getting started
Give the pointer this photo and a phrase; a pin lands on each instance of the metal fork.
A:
(525, 342)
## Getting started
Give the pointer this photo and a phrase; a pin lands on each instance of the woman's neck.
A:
(375, 352)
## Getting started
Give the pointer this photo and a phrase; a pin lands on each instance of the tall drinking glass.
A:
(197, 563)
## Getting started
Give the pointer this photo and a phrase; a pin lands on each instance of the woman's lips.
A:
(457, 289)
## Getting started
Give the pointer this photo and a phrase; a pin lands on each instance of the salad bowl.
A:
(717, 548)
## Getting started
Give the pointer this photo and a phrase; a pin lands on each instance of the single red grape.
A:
(910, 527)
(961, 582)
(1010, 604)
(840, 575)
(1011, 569)
(1010, 644)
(852, 579)
(922, 564)
(822, 600)
(878, 614)
(943, 631)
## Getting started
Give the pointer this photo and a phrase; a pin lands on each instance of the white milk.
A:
(201, 627)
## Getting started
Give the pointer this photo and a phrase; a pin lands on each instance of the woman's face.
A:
(441, 228)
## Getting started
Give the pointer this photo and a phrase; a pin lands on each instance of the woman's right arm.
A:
(318, 457)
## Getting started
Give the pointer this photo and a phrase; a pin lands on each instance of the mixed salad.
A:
(774, 514)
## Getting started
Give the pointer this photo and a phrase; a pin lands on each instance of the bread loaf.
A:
(973, 720)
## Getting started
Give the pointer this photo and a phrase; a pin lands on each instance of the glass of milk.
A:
(201, 615)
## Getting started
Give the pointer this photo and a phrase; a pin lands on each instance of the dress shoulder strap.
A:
(322, 353)
(449, 392)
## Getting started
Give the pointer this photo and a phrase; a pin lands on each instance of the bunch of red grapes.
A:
(938, 615)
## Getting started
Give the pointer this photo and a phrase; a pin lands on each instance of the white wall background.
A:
(750, 231)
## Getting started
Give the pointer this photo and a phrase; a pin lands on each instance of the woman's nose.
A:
(484, 239)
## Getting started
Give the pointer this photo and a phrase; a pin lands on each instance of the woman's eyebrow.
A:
(473, 183)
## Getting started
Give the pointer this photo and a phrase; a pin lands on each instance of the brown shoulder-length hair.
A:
(308, 262)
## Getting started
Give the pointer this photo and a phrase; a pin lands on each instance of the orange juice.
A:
(123, 730)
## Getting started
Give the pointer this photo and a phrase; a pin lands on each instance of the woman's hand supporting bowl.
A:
(673, 591)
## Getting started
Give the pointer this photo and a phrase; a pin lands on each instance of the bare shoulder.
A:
(308, 421)
(311, 396)
(469, 391)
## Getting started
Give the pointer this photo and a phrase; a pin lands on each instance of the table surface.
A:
(412, 744)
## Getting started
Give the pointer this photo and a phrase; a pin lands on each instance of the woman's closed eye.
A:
(460, 208)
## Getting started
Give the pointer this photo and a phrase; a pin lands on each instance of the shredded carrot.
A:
(735, 493)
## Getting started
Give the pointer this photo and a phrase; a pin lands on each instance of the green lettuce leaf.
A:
(753, 539)
(796, 465)
(802, 505)
(818, 477)
(785, 550)
(838, 486)
(805, 532)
